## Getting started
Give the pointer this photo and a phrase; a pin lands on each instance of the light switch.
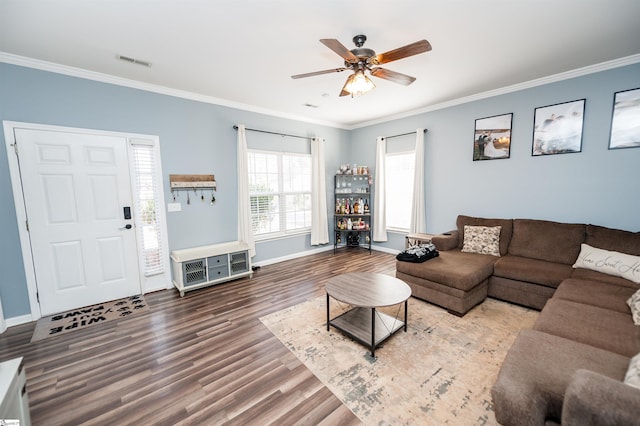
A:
(174, 207)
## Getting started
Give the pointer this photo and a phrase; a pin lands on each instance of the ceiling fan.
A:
(362, 59)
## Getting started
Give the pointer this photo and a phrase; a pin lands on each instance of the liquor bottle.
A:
(366, 206)
(351, 206)
(347, 206)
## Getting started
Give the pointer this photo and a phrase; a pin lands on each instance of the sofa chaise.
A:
(578, 364)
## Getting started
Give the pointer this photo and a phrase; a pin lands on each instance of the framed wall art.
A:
(557, 129)
(625, 120)
(492, 137)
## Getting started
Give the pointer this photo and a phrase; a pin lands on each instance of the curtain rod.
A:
(403, 134)
(274, 133)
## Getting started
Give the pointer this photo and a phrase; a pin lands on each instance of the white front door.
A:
(77, 189)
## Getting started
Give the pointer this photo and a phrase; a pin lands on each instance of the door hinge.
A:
(38, 297)
(27, 223)
(15, 148)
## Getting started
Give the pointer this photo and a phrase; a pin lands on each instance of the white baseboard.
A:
(22, 319)
(385, 249)
(293, 256)
(315, 251)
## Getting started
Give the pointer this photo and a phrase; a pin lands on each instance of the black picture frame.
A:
(492, 137)
(558, 128)
(625, 120)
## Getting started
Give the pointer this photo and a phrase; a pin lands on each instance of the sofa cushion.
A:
(613, 239)
(506, 229)
(609, 262)
(634, 305)
(595, 399)
(595, 293)
(549, 274)
(587, 274)
(538, 369)
(454, 268)
(632, 378)
(603, 328)
(481, 239)
(545, 240)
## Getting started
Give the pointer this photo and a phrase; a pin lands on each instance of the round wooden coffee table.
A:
(366, 291)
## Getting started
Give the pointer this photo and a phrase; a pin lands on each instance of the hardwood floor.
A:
(204, 359)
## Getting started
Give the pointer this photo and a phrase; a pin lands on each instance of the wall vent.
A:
(134, 60)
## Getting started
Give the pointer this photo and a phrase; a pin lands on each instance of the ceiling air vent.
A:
(134, 60)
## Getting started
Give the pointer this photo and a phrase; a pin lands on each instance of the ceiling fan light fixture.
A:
(358, 84)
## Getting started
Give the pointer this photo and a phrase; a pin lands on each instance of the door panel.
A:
(75, 188)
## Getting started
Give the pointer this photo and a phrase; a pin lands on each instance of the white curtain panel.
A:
(418, 206)
(379, 193)
(319, 223)
(244, 210)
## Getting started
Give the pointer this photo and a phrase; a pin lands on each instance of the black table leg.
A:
(328, 312)
(406, 305)
(373, 332)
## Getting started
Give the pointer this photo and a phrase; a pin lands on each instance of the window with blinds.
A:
(148, 208)
(280, 193)
(399, 194)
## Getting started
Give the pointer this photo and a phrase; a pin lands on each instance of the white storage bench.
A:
(203, 266)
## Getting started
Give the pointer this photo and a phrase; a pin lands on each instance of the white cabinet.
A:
(199, 267)
(14, 404)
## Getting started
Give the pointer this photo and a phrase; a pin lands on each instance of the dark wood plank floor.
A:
(202, 359)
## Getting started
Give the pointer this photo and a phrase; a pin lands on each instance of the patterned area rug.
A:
(85, 317)
(439, 372)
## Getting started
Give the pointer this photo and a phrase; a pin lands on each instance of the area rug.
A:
(86, 317)
(439, 372)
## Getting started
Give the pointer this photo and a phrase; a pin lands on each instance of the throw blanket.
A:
(418, 253)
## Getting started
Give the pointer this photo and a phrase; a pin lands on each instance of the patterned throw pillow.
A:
(632, 378)
(609, 262)
(634, 304)
(482, 239)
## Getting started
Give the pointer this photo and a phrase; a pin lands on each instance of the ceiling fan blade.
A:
(340, 49)
(402, 52)
(394, 76)
(311, 74)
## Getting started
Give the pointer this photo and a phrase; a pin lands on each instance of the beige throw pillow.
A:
(632, 378)
(634, 304)
(609, 262)
(482, 239)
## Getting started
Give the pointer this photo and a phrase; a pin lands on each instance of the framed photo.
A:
(625, 120)
(557, 129)
(492, 137)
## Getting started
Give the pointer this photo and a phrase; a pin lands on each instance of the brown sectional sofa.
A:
(570, 367)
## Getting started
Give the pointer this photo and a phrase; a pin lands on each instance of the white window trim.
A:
(393, 154)
(284, 233)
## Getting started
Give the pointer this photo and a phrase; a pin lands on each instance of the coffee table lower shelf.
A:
(367, 326)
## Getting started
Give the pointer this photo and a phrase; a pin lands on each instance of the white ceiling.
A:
(243, 52)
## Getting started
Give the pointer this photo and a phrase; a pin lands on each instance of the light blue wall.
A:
(195, 138)
(597, 185)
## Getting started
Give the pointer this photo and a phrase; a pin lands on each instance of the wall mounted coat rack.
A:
(193, 183)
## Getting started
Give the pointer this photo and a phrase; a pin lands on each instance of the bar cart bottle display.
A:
(352, 218)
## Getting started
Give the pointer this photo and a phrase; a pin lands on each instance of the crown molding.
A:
(591, 69)
(135, 84)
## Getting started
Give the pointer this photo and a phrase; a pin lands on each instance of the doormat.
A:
(86, 317)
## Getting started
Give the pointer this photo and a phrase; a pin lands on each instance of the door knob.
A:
(127, 226)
